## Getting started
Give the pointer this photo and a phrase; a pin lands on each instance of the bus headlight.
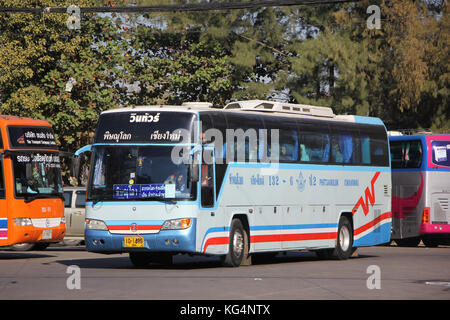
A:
(176, 224)
(93, 224)
(23, 221)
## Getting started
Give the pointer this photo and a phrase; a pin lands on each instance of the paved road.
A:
(390, 272)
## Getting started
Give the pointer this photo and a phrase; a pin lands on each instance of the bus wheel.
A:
(22, 246)
(238, 245)
(344, 246)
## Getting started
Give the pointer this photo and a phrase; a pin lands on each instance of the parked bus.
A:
(420, 189)
(31, 198)
(254, 177)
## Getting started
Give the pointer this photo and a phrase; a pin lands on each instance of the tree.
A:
(50, 72)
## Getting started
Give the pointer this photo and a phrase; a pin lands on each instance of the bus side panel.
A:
(212, 231)
(408, 202)
(438, 196)
(372, 216)
(298, 207)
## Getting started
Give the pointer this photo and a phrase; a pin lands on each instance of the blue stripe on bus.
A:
(379, 235)
(3, 223)
(305, 166)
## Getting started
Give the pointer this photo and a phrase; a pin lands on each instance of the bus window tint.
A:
(314, 142)
(242, 138)
(396, 154)
(287, 139)
(288, 146)
(406, 154)
(374, 146)
(345, 144)
(441, 153)
(413, 154)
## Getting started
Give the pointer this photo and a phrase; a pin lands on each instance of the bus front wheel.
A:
(238, 245)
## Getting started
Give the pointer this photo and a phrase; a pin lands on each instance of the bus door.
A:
(3, 206)
(207, 178)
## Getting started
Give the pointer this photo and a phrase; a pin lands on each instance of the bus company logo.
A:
(368, 198)
(301, 182)
(133, 227)
(146, 117)
(21, 140)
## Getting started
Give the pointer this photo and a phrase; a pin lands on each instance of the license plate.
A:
(133, 242)
(47, 234)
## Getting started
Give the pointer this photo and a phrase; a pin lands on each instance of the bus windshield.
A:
(37, 174)
(138, 173)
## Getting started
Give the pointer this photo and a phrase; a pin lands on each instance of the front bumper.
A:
(173, 241)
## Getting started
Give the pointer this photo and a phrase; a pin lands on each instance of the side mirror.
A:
(194, 168)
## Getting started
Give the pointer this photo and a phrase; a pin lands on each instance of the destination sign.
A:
(145, 127)
(31, 137)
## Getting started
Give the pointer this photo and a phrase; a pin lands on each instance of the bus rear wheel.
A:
(238, 245)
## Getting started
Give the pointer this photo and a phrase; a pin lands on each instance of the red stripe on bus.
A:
(293, 237)
(275, 238)
(367, 226)
(216, 241)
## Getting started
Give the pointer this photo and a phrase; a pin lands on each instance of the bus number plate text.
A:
(134, 242)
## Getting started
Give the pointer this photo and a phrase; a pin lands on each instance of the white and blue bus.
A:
(253, 177)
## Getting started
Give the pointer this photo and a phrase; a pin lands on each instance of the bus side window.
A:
(413, 154)
(288, 145)
(374, 146)
(317, 146)
(2, 183)
(365, 149)
(345, 144)
(396, 154)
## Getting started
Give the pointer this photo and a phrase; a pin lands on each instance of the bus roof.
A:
(15, 120)
(252, 106)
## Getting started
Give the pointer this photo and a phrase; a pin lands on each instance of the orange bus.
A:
(31, 193)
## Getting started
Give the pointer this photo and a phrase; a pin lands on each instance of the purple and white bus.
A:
(420, 189)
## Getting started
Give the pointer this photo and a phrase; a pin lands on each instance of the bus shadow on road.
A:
(186, 262)
(13, 255)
